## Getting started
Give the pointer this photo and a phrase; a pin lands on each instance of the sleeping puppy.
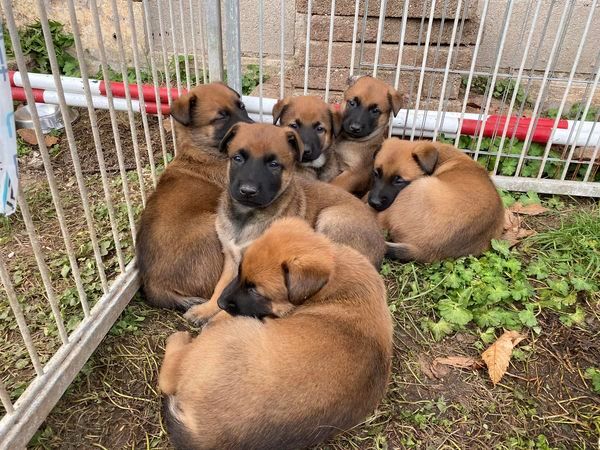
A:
(177, 249)
(367, 108)
(434, 200)
(263, 187)
(314, 362)
(318, 125)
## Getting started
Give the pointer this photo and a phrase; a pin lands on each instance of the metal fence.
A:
(528, 112)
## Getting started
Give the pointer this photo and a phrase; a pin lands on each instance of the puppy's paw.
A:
(201, 314)
(179, 338)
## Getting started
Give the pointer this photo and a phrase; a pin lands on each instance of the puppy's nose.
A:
(307, 151)
(355, 128)
(248, 190)
(377, 203)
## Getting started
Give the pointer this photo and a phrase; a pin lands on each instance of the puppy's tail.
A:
(179, 434)
(400, 252)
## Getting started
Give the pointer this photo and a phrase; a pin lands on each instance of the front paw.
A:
(201, 314)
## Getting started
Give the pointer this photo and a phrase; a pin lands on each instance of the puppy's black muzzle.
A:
(383, 194)
(312, 143)
(359, 122)
(240, 300)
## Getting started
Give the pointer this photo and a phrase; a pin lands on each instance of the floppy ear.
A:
(279, 109)
(426, 156)
(295, 143)
(304, 277)
(182, 109)
(224, 145)
(396, 100)
(335, 116)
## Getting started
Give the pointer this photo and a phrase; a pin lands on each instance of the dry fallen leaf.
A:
(50, 140)
(497, 356)
(28, 136)
(529, 210)
(425, 367)
(513, 232)
(461, 362)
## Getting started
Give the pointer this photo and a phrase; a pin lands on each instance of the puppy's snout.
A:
(227, 305)
(378, 203)
(249, 190)
(355, 127)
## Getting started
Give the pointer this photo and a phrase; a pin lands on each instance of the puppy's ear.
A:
(295, 143)
(352, 79)
(335, 116)
(426, 156)
(279, 109)
(304, 277)
(182, 109)
(224, 145)
(396, 100)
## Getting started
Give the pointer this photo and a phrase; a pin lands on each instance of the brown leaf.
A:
(28, 136)
(50, 140)
(529, 210)
(497, 356)
(461, 362)
(513, 232)
(167, 125)
(425, 367)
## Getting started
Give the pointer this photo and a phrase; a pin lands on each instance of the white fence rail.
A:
(494, 78)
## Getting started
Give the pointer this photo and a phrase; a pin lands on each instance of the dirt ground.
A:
(544, 402)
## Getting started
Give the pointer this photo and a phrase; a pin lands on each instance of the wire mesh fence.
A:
(513, 83)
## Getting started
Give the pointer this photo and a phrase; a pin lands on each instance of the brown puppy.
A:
(178, 252)
(318, 125)
(435, 201)
(263, 188)
(315, 365)
(367, 108)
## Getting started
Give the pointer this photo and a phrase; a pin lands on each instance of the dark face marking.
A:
(227, 117)
(311, 135)
(240, 298)
(385, 189)
(254, 181)
(359, 119)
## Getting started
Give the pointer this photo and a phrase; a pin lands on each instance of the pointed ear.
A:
(426, 156)
(396, 100)
(224, 145)
(296, 144)
(304, 277)
(335, 116)
(279, 109)
(352, 79)
(182, 109)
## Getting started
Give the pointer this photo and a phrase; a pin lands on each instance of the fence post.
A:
(212, 9)
(232, 44)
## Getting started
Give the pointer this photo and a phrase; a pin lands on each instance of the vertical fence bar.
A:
(380, 24)
(329, 51)
(18, 312)
(232, 44)
(282, 49)
(472, 69)
(212, 9)
(261, 29)
(175, 47)
(423, 65)
(188, 81)
(155, 80)
(203, 41)
(354, 31)
(113, 117)
(307, 46)
(194, 47)
(96, 135)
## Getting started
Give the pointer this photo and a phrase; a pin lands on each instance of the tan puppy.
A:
(263, 188)
(435, 201)
(178, 252)
(367, 108)
(318, 125)
(315, 365)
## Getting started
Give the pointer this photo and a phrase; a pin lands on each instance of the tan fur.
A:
(311, 109)
(330, 210)
(288, 382)
(356, 155)
(454, 212)
(178, 251)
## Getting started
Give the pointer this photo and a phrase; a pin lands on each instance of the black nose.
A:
(307, 151)
(377, 203)
(355, 128)
(248, 190)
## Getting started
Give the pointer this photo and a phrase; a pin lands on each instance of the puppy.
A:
(367, 108)
(435, 201)
(318, 125)
(316, 364)
(263, 188)
(178, 252)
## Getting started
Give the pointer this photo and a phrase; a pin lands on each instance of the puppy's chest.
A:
(354, 154)
(238, 232)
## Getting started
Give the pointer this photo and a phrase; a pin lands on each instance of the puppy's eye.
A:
(222, 115)
(241, 106)
(320, 129)
(398, 180)
(293, 125)
(375, 111)
(274, 164)
(352, 103)
(237, 158)
(377, 173)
